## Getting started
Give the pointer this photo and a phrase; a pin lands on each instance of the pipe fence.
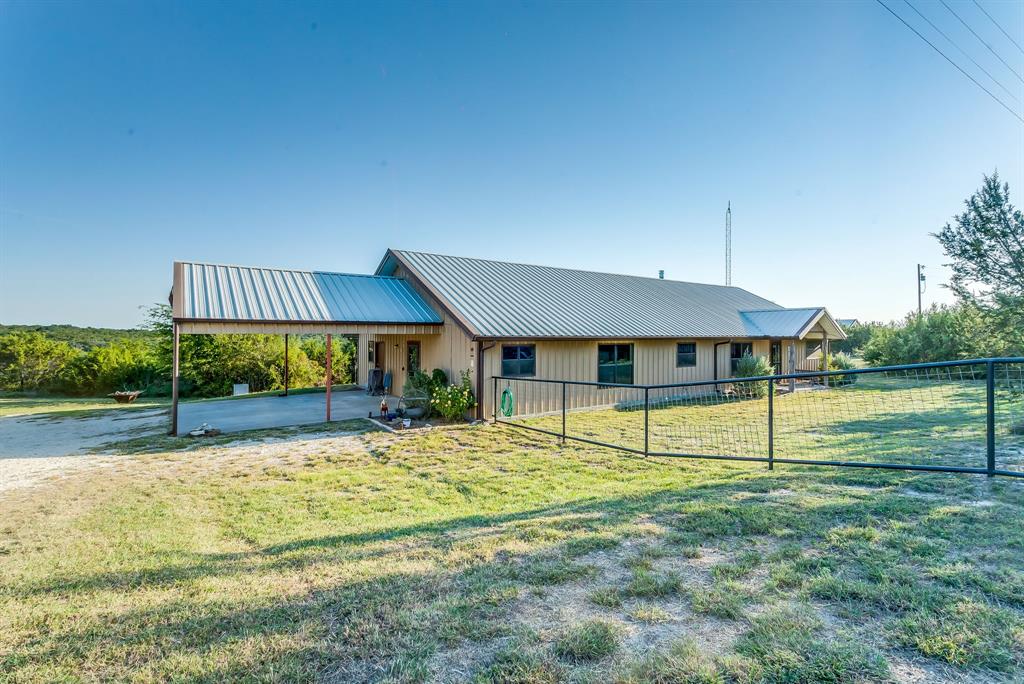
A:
(952, 416)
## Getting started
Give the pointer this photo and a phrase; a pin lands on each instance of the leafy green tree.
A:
(986, 244)
(32, 361)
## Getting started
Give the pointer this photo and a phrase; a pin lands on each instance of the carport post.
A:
(286, 364)
(174, 379)
(329, 379)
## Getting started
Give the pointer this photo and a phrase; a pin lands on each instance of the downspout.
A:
(715, 356)
(480, 349)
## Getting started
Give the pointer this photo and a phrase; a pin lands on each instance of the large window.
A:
(686, 354)
(518, 360)
(739, 350)
(615, 363)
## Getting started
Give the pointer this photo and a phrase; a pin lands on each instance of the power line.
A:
(999, 26)
(958, 68)
(963, 52)
(968, 27)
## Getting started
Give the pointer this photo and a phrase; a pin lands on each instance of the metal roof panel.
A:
(240, 293)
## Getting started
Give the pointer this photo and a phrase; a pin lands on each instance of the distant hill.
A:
(83, 338)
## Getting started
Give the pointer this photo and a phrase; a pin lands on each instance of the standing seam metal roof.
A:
(501, 299)
(239, 293)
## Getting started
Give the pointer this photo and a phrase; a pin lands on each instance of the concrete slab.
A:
(257, 413)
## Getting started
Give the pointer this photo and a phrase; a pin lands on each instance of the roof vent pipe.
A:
(661, 275)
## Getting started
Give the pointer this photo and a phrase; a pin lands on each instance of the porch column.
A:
(174, 379)
(329, 380)
(362, 359)
(792, 365)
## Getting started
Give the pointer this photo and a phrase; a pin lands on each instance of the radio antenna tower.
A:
(728, 244)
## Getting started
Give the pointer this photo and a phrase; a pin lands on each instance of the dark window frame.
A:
(409, 346)
(680, 354)
(519, 362)
(744, 348)
(617, 365)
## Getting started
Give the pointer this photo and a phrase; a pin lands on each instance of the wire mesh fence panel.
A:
(710, 420)
(607, 414)
(1009, 416)
(921, 416)
(537, 405)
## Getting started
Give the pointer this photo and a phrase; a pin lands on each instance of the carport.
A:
(209, 299)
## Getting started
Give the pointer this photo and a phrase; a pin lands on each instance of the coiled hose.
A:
(508, 402)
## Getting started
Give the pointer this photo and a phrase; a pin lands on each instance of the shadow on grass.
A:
(363, 628)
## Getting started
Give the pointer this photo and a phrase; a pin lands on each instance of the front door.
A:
(378, 354)
(776, 356)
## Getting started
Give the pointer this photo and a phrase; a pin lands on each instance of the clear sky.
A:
(604, 136)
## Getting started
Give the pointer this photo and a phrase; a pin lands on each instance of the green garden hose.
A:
(508, 402)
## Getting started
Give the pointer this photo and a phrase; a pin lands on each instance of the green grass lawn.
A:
(490, 554)
(13, 403)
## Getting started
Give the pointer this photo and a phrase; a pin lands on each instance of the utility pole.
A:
(920, 286)
(728, 243)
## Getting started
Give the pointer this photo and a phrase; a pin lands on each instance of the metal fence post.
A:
(563, 412)
(990, 405)
(647, 421)
(771, 424)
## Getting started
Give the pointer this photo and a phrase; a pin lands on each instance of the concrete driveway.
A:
(235, 415)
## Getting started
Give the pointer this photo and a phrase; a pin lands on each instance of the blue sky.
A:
(604, 136)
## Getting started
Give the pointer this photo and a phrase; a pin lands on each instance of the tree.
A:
(986, 244)
(31, 361)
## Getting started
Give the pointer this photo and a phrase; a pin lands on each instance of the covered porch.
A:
(211, 299)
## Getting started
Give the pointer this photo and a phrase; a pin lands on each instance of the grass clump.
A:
(723, 600)
(684, 663)
(521, 663)
(589, 641)
(649, 584)
(966, 633)
(649, 613)
(606, 597)
(789, 646)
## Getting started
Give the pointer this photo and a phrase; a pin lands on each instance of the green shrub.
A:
(438, 378)
(752, 366)
(453, 401)
(841, 361)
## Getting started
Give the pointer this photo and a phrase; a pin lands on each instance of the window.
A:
(519, 360)
(686, 354)
(615, 363)
(739, 350)
(412, 357)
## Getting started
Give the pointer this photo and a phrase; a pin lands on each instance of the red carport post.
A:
(329, 379)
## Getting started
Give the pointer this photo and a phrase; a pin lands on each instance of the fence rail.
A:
(951, 416)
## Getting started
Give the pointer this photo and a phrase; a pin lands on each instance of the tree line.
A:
(41, 360)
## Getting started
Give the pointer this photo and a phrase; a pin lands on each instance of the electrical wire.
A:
(999, 26)
(990, 49)
(963, 52)
(945, 57)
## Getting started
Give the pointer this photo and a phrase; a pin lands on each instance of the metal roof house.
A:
(493, 318)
